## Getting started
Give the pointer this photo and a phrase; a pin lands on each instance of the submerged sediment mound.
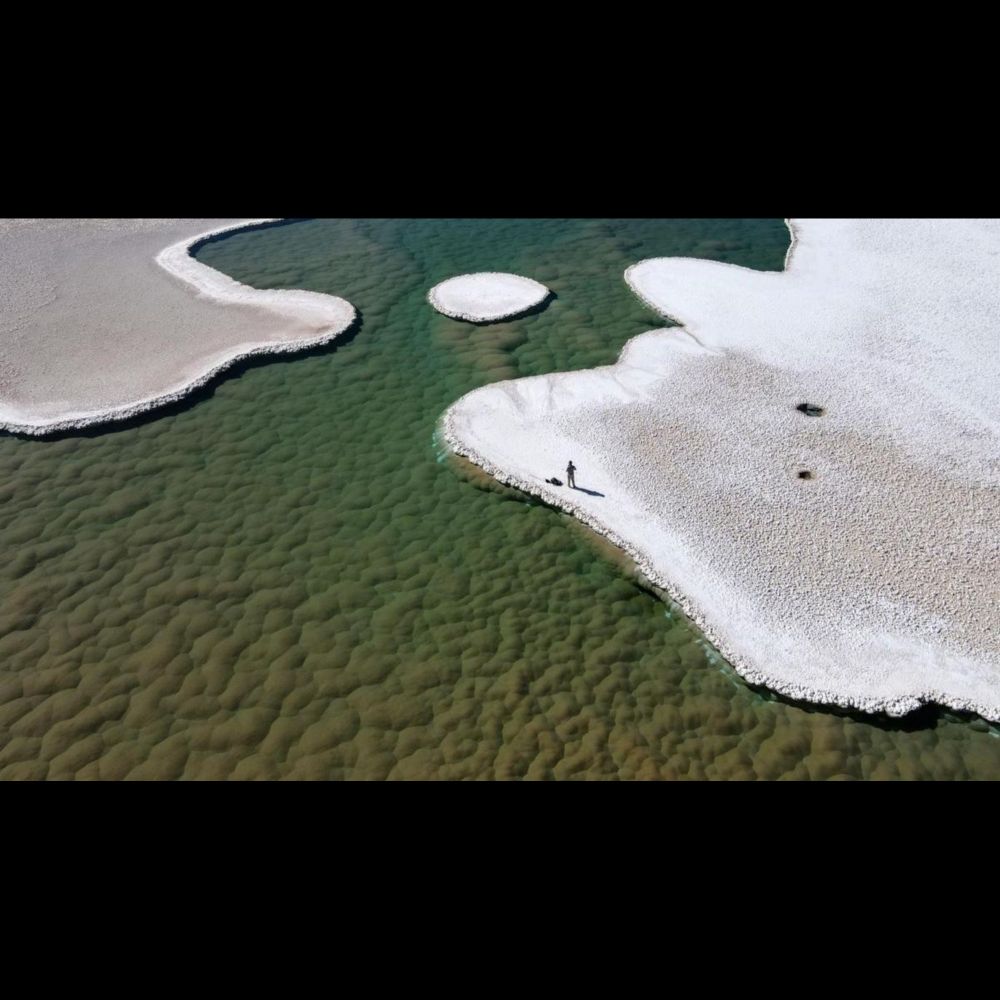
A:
(877, 586)
(487, 296)
(103, 319)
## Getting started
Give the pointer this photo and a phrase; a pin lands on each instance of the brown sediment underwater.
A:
(285, 577)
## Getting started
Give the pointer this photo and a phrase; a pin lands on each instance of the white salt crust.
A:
(873, 585)
(487, 296)
(92, 330)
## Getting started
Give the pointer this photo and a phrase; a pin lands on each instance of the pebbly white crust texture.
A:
(487, 296)
(100, 322)
(873, 585)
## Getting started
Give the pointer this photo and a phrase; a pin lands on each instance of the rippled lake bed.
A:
(285, 576)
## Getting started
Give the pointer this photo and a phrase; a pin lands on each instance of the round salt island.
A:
(486, 296)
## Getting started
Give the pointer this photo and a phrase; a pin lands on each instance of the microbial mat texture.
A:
(284, 575)
(809, 466)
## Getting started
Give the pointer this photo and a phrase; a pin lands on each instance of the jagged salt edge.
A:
(895, 707)
(789, 253)
(177, 261)
(431, 298)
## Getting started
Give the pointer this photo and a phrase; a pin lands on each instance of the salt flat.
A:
(487, 296)
(101, 319)
(875, 582)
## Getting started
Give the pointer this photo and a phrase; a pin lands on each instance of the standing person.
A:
(571, 475)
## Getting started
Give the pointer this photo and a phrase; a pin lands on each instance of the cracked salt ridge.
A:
(336, 316)
(939, 453)
(487, 296)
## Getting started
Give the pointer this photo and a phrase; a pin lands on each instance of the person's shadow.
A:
(592, 493)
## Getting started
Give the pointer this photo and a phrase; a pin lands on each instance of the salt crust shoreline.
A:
(177, 262)
(456, 430)
(487, 296)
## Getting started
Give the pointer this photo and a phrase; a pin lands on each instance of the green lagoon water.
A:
(287, 578)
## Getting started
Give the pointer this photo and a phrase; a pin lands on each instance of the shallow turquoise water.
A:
(287, 578)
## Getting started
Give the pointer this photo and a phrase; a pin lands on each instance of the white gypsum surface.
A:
(875, 583)
(486, 296)
(101, 319)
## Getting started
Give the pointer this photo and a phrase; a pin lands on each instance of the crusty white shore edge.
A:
(893, 706)
(534, 294)
(177, 261)
(637, 291)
